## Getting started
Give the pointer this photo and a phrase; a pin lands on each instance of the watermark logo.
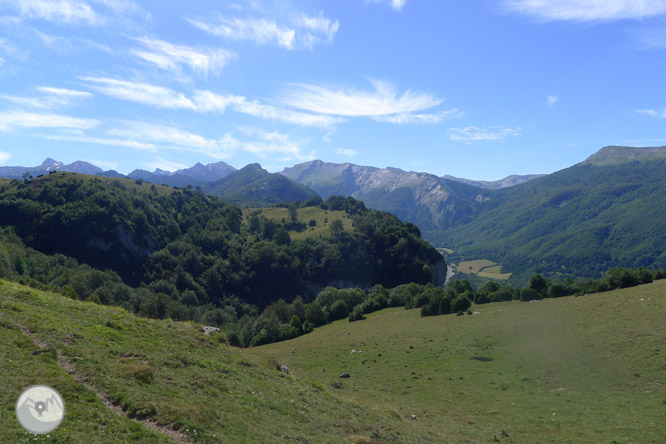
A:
(40, 409)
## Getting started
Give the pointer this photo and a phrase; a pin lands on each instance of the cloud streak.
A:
(304, 31)
(202, 102)
(587, 10)
(653, 113)
(59, 11)
(476, 134)
(172, 57)
(10, 120)
(382, 101)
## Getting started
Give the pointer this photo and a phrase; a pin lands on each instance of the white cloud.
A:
(4, 157)
(588, 10)
(346, 152)
(143, 93)
(202, 101)
(104, 141)
(475, 134)
(59, 11)
(164, 164)
(106, 164)
(2, 61)
(209, 101)
(395, 4)
(304, 31)
(400, 119)
(172, 57)
(52, 97)
(551, 100)
(653, 113)
(384, 100)
(62, 92)
(10, 120)
(158, 138)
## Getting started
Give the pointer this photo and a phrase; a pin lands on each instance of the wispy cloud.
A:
(172, 57)
(202, 101)
(653, 113)
(162, 138)
(4, 157)
(476, 134)
(77, 12)
(346, 152)
(106, 164)
(164, 164)
(302, 31)
(209, 101)
(143, 93)
(384, 100)
(59, 11)
(587, 10)
(395, 4)
(10, 120)
(51, 97)
(551, 100)
(433, 118)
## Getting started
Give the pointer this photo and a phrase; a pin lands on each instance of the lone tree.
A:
(336, 227)
(293, 213)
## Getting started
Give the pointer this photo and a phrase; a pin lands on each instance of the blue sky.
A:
(477, 89)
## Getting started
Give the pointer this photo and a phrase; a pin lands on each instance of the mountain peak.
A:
(614, 155)
(51, 162)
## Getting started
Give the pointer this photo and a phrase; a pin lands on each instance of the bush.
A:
(307, 327)
(461, 303)
(529, 294)
(296, 323)
(314, 314)
(431, 308)
(338, 310)
(357, 314)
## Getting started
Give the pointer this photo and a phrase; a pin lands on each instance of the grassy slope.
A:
(570, 370)
(226, 395)
(305, 215)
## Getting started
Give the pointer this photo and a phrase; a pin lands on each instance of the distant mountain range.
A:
(603, 212)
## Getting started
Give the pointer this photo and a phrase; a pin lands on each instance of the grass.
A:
(323, 219)
(483, 268)
(445, 250)
(569, 370)
(166, 372)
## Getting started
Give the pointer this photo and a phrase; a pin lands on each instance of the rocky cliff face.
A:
(429, 201)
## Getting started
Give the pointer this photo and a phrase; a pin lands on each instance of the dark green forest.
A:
(179, 253)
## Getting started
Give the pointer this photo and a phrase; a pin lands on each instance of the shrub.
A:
(338, 310)
(529, 294)
(461, 303)
(314, 314)
(357, 314)
(307, 327)
(296, 323)
(431, 308)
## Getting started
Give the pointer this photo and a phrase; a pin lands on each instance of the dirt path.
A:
(65, 364)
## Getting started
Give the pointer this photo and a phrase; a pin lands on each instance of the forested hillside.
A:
(579, 221)
(182, 253)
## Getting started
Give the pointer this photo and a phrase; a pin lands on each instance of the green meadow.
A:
(571, 370)
(590, 369)
(322, 218)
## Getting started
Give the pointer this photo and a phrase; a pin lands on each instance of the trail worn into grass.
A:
(65, 364)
